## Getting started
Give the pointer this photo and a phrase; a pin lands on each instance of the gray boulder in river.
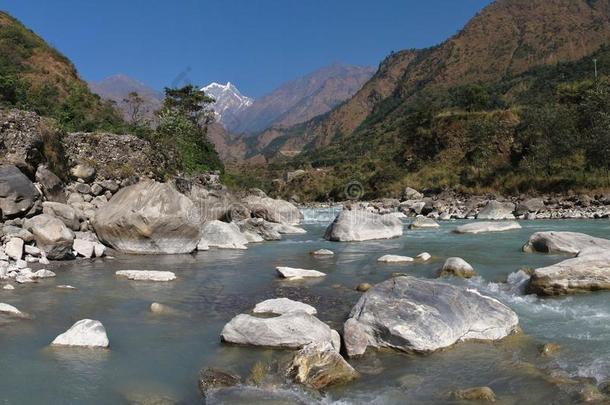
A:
(486, 227)
(149, 218)
(590, 271)
(17, 192)
(361, 225)
(415, 315)
(289, 331)
(563, 242)
(272, 210)
(496, 210)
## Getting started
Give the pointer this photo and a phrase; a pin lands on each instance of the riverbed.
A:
(160, 355)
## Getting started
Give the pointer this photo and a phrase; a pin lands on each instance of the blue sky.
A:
(256, 44)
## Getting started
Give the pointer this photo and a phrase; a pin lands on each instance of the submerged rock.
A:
(363, 287)
(319, 365)
(162, 309)
(486, 227)
(52, 236)
(414, 315)
(84, 333)
(421, 222)
(147, 275)
(289, 331)
(585, 273)
(298, 274)
(280, 306)
(360, 225)
(458, 267)
(395, 259)
(211, 379)
(563, 242)
(149, 218)
(474, 394)
(222, 235)
(496, 210)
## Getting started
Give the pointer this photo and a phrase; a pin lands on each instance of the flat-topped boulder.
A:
(289, 331)
(149, 218)
(395, 259)
(563, 242)
(587, 272)
(496, 210)
(223, 235)
(146, 275)
(421, 222)
(273, 210)
(487, 227)
(292, 273)
(361, 225)
(415, 315)
(52, 236)
(84, 333)
(280, 306)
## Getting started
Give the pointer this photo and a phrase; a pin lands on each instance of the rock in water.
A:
(11, 310)
(423, 222)
(319, 365)
(424, 256)
(271, 210)
(289, 331)
(149, 218)
(52, 236)
(146, 275)
(485, 227)
(360, 225)
(222, 235)
(298, 274)
(323, 252)
(585, 273)
(496, 210)
(474, 394)
(395, 259)
(17, 192)
(210, 379)
(280, 306)
(563, 242)
(84, 333)
(414, 315)
(458, 267)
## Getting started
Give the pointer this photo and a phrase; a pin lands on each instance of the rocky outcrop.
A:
(222, 235)
(360, 225)
(281, 306)
(51, 235)
(84, 333)
(415, 315)
(21, 139)
(148, 218)
(587, 272)
(319, 365)
(272, 210)
(563, 242)
(289, 331)
(17, 193)
(487, 227)
(458, 267)
(496, 210)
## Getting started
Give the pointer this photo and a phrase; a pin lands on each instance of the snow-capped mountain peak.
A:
(229, 101)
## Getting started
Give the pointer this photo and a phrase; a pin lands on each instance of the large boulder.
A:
(496, 210)
(415, 315)
(486, 227)
(265, 229)
(530, 205)
(590, 271)
(563, 242)
(289, 331)
(360, 225)
(52, 186)
(149, 218)
(17, 193)
(319, 365)
(51, 235)
(273, 210)
(64, 212)
(222, 235)
(458, 267)
(84, 333)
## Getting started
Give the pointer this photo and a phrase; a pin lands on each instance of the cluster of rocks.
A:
(445, 206)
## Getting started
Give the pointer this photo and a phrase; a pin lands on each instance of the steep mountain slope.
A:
(506, 38)
(118, 87)
(36, 77)
(229, 104)
(303, 98)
